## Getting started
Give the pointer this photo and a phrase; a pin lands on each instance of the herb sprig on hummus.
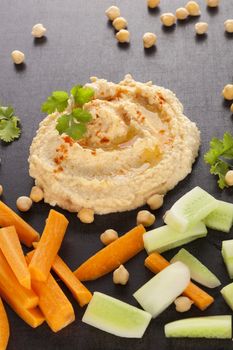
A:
(9, 129)
(73, 123)
(218, 156)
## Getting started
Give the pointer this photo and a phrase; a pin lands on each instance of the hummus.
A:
(138, 143)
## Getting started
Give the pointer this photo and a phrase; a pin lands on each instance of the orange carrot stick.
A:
(26, 233)
(112, 256)
(4, 327)
(55, 306)
(155, 263)
(9, 283)
(79, 291)
(48, 246)
(12, 250)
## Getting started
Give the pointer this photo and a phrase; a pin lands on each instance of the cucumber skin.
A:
(227, 294)
(227, 254)
(199, 272)
(110, 315)
(217, 220)
(211, 327)
(168, 238)
(179, 220)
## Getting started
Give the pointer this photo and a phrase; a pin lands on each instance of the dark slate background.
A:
(80, 43)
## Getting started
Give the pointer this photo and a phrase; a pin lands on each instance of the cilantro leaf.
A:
(81, 115)
(9, 129)
(82, 94)
(76, 131)
(220, 151)
(57, 101)
(73, 124)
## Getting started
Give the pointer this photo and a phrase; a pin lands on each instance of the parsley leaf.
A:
(57, 101)
(218, 155)
(82, 94)
(9, 129)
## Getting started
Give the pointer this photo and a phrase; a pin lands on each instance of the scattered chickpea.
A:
(168, 19)
(24, 203)
(17, 56)
(113, 12)
(227, 92)
(155, 201)
(1, 190)
(212, 3)
(86, 215)
(120, 23)
(149, 40)
(108, 236)
(228, 25)
(201, 28)
(231, 108)
(38, 30)
(36, 194)
(183, 304)
(229, 178)
(120, 275)
(193, 8)
(153, 3)
(123, 36)
(145, 218)
(181, 13)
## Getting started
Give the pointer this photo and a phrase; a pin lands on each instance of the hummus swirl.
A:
(138, 143)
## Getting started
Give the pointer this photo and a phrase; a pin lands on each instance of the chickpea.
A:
(38, 30)
(113, 12)
(17, 56)
(212, 3)
(193, 8)
(36, 194)
(181, 13)
(145, 218)
(229, 178)
(123, 36)
(153, 3)
(231, 108)
(86, 215)
(168, 19)
(149, 40)
(119, 23)
(228, 24)
(24, 203)
(1, 190)
(201, 28)
(108, 236)
(227, 92)
(120, 275)
(183, 304)
(155, 201)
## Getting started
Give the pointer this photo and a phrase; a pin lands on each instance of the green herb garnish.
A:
(74, 123)
(218, 155)
(9, 129)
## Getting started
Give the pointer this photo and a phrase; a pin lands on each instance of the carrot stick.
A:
(155, 263)
(4, 327)
(9, 283)
(48, 246)
(26, 233)
(12, 250)
(79, 291)
(55, 306)
(112, 256)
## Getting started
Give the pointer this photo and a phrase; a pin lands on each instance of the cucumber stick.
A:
(199, 272)
(164, 238)
(227, 293)
(116, 317)
(221, 219)
(200, 327)
(227, 254)
(161, 290)
(190, 209)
